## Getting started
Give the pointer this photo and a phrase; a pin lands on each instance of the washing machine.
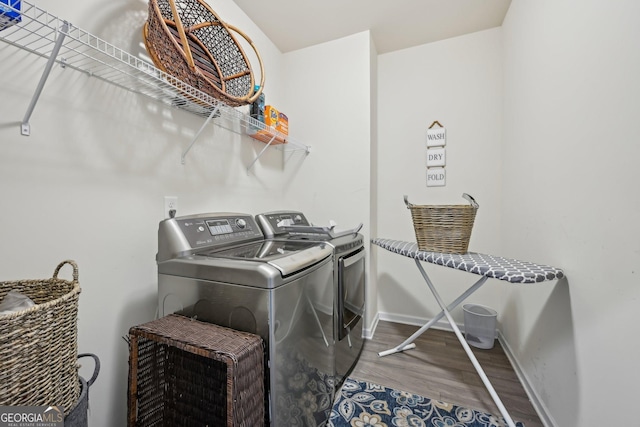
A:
(219, 268)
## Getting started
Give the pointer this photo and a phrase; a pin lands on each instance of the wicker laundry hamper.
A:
(38, 345)
(188, 40)
(443, 228)
(184, 372)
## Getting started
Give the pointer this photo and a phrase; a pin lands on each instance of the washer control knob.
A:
(297, 219)
(241, 223)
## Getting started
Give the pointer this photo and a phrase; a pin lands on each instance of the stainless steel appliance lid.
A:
(329, 232)
(342, 244)
(265, 250)
(252, 272)
(293, 223)
(287, 256)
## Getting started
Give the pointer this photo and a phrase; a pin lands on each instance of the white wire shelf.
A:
(59, 41)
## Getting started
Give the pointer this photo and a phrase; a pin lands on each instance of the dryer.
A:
(349, 278)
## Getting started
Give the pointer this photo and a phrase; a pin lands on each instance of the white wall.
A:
(457, 82)
(552, 170)
(570, 151)
(328, 85)
(89, 182)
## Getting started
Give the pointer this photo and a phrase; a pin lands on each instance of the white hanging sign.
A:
(436, 177)
(436, 137)
(436, 157)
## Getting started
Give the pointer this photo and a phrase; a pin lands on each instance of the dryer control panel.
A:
(274, 223)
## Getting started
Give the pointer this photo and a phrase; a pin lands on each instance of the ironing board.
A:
(486, 266)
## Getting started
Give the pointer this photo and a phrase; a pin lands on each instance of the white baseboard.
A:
(369, 330)
(538, 404)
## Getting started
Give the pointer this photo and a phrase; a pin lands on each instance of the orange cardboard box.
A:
(270, 116)
(283, 124)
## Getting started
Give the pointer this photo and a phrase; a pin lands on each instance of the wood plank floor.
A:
(439, 368)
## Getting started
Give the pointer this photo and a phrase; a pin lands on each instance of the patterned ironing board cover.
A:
(495, 267)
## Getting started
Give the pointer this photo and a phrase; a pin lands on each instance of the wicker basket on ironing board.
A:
(443, 228)
(187, 40)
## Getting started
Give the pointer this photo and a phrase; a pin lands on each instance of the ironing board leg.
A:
(408, 343)
(467, 349)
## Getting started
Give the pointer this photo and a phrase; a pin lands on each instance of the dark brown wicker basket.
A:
(39, 345)
(184, 372)
(444, 228)
(188, 40)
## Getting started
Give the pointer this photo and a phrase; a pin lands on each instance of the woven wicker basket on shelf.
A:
(189, 41)
(38, 345)
(444, 228)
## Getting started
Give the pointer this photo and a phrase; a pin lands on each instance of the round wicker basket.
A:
(38, 345)
(189, 41)
(443, 228)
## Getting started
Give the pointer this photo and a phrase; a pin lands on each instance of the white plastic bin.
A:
(479, 325)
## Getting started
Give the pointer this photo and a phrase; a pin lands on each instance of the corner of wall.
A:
(537, 403)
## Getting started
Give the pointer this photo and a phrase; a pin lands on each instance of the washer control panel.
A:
(184, 235)
(203, 231)
(218, 226)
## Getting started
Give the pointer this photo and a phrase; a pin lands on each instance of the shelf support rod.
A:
(260, 153)
(25, 127)
(206, 122)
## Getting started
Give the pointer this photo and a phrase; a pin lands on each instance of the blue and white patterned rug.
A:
(364, 404)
